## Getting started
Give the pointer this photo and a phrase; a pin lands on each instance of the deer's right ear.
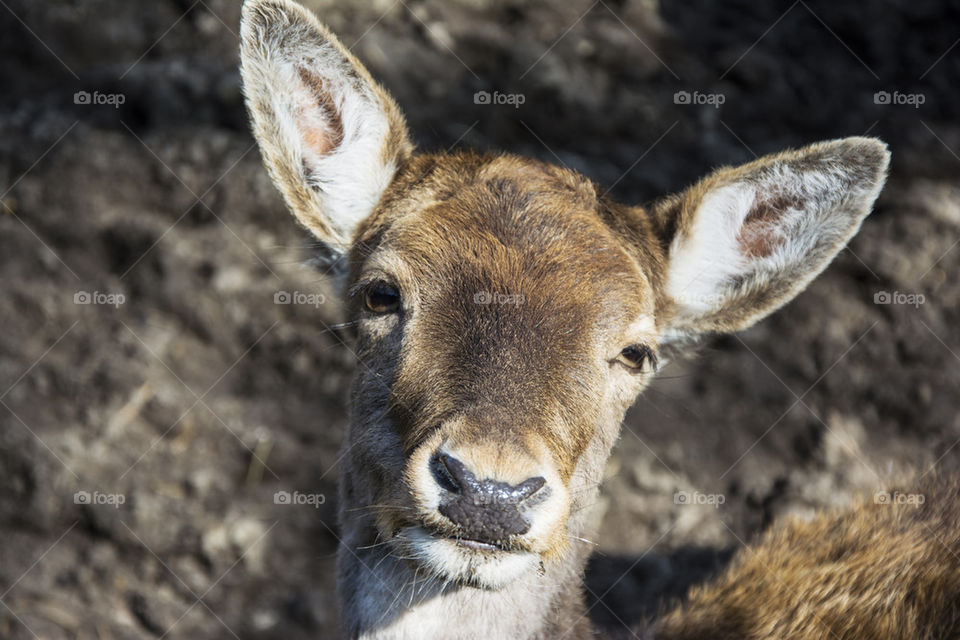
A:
(330, 137)
(746, 240)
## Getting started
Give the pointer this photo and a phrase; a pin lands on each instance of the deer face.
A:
(501, 326)
(506, 315)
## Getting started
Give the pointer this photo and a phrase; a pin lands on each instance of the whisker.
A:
(416, 572)
(382, 506)
(371, 546)
(309, 245)
(590, 542)
(341, 325)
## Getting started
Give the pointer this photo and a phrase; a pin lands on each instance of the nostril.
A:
(528, 487)
(447, 471)
(500, 493)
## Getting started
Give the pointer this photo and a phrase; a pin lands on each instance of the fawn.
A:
(506, 316)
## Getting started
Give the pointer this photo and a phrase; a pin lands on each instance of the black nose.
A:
(484, 510)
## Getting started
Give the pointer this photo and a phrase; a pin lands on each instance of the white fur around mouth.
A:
(460, 561)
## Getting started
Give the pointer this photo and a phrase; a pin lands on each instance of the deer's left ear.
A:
(331, 137)
(746, 240)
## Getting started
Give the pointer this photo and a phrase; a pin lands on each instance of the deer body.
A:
(507, 314)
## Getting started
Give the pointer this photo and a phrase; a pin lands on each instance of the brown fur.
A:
(872, 572)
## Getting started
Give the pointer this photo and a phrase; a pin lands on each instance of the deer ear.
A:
(744, 241)
(331, 138)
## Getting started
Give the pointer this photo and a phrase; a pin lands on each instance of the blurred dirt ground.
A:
(198, 398)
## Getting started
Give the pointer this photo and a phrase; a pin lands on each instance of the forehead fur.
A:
(497, 214)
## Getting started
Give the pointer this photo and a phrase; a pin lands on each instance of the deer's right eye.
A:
(638, 358)
(382, 297)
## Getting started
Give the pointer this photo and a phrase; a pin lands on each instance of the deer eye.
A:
(638, 358)
(382, 297)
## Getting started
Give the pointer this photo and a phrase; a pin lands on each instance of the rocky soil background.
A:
(154, 397)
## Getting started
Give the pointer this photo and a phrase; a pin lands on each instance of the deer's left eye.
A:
(638, 358)
(382, 297)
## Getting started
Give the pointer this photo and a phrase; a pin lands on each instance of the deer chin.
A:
(468, 562)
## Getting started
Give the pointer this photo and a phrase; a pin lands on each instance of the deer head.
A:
(507, 313)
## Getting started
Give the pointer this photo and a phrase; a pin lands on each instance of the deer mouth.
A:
(476, 563)
(468, 543)
(478, 545)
